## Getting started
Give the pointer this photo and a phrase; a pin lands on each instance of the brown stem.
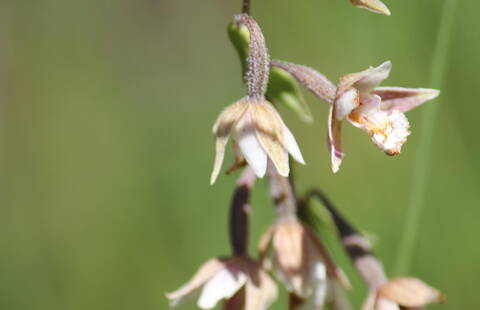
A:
(246, 7)
(258, 61)
(239, 212)
(358, 248)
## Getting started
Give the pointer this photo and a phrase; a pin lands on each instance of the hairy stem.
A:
(258, 61)
(421, 169)
(239, 213)
(310, 78)
(246, 7)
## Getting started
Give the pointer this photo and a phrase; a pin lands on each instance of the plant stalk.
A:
(422, 165)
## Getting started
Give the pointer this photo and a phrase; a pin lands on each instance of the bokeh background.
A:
(106, 110)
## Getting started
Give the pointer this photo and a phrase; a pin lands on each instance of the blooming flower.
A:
(378, 111)
(260, 134)
(239, 280)
(300, 262)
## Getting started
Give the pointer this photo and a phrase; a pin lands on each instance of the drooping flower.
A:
(300, 261)
(238, 281)
(259, 130)
(378, 111)
(375, 6)
(260, 134)
(395, 294)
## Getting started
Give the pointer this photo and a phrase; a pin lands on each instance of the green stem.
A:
(422, 166)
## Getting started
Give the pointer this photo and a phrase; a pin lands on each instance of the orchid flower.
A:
(259, 130)
(239, 281)
(378, 111)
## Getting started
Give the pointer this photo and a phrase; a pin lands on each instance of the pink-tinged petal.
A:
(222, 286)
(374, 77)
(270, 134)
(375, 6)
(365, 80)
(205, 273)
(385, 304)
(410, 292)
(250, 147)
(335, 140)
(222, 129)
(404, 99)
(290, 260)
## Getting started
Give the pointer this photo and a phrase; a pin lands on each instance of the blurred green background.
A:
(106, 110)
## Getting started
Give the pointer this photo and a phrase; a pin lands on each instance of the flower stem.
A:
(239, 213)
(282, 194)
(246, 7)
(258, 61)
(422, 163)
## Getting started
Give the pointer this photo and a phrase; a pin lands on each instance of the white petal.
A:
(292, 146)
(346, 102)
(223, 285)
(192, 288)
(250, 147)
(253, 153)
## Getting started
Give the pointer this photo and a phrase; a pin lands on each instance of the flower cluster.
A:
(291, 250)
